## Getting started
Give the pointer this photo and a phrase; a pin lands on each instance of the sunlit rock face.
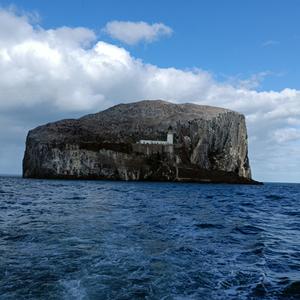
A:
(209, 145)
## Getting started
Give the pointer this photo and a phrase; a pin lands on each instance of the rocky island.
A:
(147, 140)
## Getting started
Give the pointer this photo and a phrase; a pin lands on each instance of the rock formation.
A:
(210, 145)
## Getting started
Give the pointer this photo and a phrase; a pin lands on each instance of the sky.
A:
(64, 59)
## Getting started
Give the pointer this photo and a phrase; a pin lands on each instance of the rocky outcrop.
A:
(210, 145)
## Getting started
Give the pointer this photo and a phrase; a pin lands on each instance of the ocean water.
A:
(125, 240)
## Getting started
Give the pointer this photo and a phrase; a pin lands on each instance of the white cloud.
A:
(60, 73)
(270, 43)
(254, 81)
(132, 33)
(286, 134)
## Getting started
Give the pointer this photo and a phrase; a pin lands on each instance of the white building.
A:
(169, 141)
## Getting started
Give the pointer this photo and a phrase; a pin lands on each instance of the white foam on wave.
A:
(74, 290)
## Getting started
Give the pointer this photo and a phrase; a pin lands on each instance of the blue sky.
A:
(243, 55)
(229, 38)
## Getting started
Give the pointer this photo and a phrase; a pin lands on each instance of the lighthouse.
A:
(169, 141)
(170, 136)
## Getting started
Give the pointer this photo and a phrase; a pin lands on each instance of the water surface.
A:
(120, 240)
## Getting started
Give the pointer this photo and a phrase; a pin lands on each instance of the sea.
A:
(63, 239)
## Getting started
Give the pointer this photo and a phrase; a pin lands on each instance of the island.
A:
(150, 140)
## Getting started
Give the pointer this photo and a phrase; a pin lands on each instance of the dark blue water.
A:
(119, 240)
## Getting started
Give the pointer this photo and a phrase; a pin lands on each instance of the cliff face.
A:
(210, 145)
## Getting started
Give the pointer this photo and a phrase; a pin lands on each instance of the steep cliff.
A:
(210, 145)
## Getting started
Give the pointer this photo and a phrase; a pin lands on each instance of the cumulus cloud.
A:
(65, 72)
(132, 33)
